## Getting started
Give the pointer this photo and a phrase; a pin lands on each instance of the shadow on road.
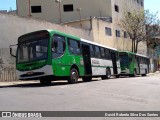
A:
(37, 84)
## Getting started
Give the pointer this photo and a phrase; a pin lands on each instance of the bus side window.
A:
(74, 47)
(130, 58)
(108, 55)
(58, 46)
(102, 53)
(117, 56)
(140, 60)
(91, 51)
(97, 52)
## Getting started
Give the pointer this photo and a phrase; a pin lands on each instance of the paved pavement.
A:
(123, 94)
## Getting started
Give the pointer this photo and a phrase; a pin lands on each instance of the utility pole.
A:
(79, 11)
(60, 17)
(29, 8)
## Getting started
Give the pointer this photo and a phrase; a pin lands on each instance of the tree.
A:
(140, 26)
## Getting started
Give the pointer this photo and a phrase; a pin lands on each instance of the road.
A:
(123, 94)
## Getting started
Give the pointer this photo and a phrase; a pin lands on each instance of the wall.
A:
(50, 9)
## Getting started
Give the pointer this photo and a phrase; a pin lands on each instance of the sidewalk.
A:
(157, 72)
(16, 83)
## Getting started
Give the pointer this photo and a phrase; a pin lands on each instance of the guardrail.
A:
(7, 73)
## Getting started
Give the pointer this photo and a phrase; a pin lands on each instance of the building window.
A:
(36, 9)
(116, 8)
(138, 1)
(68, 8)
(108, 31)
(117, 33)
(125, 34)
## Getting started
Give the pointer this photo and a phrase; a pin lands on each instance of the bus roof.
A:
(87, 41)
(142, 55)
(134, 54)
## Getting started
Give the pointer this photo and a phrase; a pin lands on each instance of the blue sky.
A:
(7, 4)
(152, 5)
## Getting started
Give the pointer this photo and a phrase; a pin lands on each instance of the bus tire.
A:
(108, 73)
(117, 76)
(73, 78)
(87, 79)
(45, 82)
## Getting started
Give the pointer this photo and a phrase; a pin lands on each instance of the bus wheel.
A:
(45, 82)
(117, 76)
(73, 78)
(87, 79)
(108, 73)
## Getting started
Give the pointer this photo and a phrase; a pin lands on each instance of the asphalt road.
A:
(123, 94)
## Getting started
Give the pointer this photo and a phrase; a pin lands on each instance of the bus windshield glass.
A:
(124, 58)
(32, 48)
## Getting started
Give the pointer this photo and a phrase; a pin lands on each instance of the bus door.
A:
(87, 59)
(138, 64)
(114, 62)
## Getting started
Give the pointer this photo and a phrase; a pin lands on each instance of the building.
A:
(11, 12)
(3, 11)
(98, 16)
(154, 52)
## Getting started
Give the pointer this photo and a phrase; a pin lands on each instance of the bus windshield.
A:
(32, 51)
(124, 58)
(33, 47)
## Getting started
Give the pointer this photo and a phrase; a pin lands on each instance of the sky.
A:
(7, 4)
(152, 5)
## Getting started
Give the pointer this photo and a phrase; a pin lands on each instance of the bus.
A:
(48, 55)
(133, 64)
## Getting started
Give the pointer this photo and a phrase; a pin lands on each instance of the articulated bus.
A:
(48, 55)
(133, 64)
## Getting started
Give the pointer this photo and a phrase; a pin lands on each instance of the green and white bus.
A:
(48, 55)
(134, 64)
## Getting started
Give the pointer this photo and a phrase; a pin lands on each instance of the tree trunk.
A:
(136, 47)
(132, 45)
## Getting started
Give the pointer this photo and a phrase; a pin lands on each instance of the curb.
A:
(157, 72)
(2, 84)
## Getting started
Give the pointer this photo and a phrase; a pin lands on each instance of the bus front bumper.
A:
(35, 74)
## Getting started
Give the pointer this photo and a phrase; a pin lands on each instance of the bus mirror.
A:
(13, 50)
